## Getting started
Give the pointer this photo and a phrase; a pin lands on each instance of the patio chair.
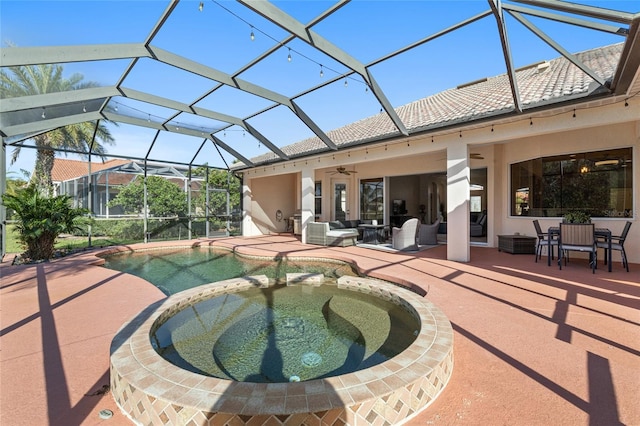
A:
(544, 240)
(429, 233)
(406, 238)
(617, 243)
(578, 237)
(478, 228)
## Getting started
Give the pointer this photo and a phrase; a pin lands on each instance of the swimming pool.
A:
(175, 270)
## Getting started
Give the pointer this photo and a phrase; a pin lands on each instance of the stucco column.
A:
(247, 222)
(458, 185)
(307, 198)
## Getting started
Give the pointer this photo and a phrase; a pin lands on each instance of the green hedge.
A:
(158, 229)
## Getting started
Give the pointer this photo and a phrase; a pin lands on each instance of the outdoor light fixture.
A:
(44, 115)
(201, 6)
(84, 108)
(253, 36)
(289, 56)
(584, 169)
(321, 71)
(346, 83)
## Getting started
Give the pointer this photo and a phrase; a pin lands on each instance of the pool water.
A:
(285, 333)
(176, 270)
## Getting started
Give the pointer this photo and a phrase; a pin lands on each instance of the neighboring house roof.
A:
(538, 85)
(64, 169)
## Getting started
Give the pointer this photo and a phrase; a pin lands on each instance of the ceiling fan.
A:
(343, 171)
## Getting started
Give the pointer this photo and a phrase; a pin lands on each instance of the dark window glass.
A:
(318, 194)
(598, 183)
(371, 199)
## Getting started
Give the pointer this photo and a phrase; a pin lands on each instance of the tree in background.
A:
(41, 79)
(164, 198)
(219, 179)
(15, 181)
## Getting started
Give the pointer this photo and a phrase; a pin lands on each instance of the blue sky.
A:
(218, 36)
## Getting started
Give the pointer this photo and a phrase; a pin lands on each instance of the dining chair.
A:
(544, 240)
(578, 237)
(617, 243)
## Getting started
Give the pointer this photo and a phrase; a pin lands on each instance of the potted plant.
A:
(576, 216)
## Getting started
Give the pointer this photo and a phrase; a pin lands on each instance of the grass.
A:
(69, 243)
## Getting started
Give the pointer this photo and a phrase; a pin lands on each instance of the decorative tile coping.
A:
(152, 391)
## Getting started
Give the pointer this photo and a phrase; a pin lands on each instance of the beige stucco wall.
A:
(267, 196)
(599, 128)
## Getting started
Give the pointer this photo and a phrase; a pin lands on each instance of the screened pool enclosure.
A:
(150, 201)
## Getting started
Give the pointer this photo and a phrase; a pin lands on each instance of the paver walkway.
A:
(533, 345)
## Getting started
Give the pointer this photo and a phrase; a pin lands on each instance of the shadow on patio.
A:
(533, 345)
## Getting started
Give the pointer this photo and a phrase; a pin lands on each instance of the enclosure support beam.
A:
(144, 198)
(228, 201)
(188, 189)
(90, 192)
(3, 209)
(206, 202)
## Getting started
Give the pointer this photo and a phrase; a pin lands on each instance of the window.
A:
(598, 183)
(371, 199)
(318, 195)
(475, 204)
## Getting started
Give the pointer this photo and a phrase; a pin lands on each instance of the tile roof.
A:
(537, 85)
(64, 169)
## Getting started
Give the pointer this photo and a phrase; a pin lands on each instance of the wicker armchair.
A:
(406, 238)
(429, 233)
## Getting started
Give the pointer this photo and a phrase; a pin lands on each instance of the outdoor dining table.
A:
(599, 232)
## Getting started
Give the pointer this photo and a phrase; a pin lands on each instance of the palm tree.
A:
(48, 78)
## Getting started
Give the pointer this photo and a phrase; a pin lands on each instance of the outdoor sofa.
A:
(352, 224)
(320, 233)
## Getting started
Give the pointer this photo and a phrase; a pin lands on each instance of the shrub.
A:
(40, 220)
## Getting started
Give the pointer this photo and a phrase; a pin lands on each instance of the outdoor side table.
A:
(517, 244)
(372, 233)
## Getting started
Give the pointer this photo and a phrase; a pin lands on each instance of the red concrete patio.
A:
(533, 345)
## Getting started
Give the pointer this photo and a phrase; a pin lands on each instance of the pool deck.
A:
(532, 345)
